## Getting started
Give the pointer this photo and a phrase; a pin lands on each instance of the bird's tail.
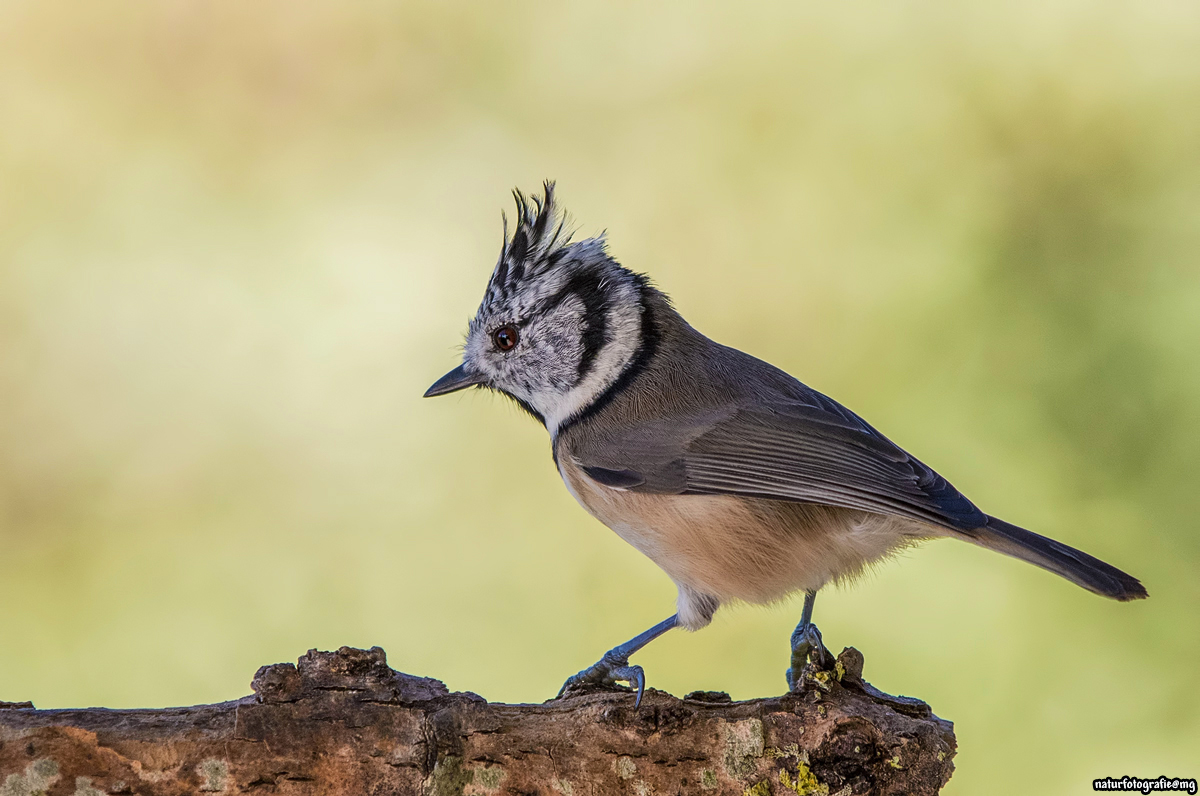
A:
(1074, 565)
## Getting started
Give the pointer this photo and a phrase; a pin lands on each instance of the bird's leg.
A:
(614, 665)
(806, 644)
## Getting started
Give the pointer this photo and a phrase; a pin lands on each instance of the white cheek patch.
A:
(625, 330)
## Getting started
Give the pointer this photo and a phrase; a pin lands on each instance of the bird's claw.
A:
(605, 673)
(807, 648)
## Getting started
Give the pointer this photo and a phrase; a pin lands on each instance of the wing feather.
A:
(813, 451)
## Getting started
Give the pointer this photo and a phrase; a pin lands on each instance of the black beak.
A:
(457, 379)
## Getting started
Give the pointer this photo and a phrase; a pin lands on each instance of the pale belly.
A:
(748, 549)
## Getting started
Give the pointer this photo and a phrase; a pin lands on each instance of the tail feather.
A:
(1074, 565)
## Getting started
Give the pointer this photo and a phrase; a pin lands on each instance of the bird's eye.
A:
(505, 337)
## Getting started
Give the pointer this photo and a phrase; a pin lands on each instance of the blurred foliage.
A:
(237, 241)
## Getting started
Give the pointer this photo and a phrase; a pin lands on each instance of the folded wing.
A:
(812, 450)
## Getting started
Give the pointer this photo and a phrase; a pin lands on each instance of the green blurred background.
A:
(237, 242)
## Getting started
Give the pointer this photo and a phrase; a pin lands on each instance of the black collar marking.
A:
(645, 352)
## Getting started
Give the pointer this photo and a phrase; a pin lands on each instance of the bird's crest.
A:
(539, 242)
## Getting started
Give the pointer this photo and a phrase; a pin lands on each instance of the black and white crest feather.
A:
(538, 243)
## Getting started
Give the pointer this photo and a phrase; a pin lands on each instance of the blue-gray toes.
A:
(807, 647)
(605, 673)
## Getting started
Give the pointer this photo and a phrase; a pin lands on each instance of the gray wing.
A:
(812, 450)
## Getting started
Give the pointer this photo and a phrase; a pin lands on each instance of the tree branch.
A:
(343, 723)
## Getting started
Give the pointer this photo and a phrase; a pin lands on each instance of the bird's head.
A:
(559, 323)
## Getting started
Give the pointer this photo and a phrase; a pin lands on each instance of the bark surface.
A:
(345, 724)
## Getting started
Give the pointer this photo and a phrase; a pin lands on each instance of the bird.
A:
(741, 483)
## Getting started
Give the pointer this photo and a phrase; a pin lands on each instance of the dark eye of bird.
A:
(505, 337)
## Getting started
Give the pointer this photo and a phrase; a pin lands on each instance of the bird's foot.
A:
(605, 673)
(808, 652)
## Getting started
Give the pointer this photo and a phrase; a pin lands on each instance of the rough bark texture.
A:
(344, 723)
